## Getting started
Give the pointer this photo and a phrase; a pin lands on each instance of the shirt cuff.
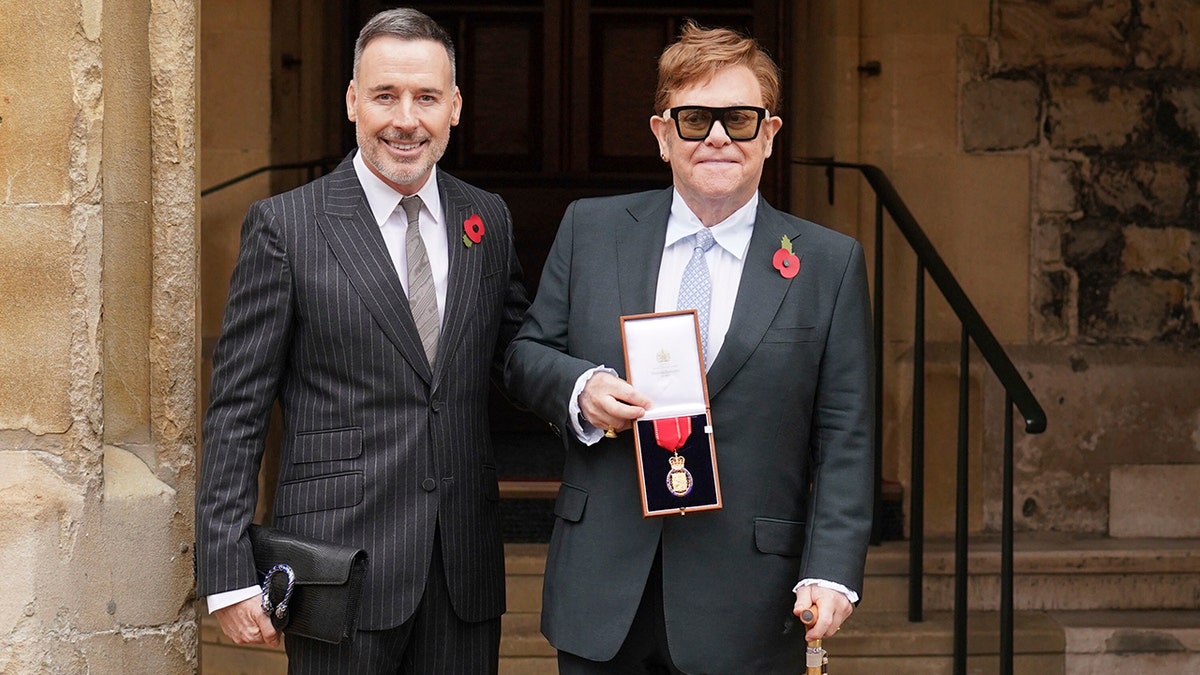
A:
(225, 599)
(850, 595)
(584, 430)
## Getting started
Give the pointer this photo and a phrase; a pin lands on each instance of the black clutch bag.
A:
(311, 588)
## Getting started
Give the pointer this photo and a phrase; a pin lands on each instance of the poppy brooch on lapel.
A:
(472, 230)
(785, 259)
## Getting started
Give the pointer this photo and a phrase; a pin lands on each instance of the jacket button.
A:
(428, 484)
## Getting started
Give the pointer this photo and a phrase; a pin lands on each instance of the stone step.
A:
(1051, 572)
(886, 642)
(1159, 642)
(871, 643)
(523, 567)
(1046, 643)
(523, 648)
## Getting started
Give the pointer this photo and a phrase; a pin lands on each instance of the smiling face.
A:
(717, 176)
(403, 102)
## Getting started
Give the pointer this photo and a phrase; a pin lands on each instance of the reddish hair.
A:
(701, 52)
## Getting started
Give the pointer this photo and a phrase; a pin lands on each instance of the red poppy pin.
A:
(472, 230)
(785, 259)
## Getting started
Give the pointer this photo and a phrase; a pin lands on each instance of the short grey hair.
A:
(406, 24)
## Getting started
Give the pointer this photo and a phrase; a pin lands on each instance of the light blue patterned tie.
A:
(695, 290)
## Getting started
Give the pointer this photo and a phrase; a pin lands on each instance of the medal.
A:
(672, 434)
(679, 479)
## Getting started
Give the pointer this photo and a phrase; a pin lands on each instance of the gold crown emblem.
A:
(676, 462)
(663, 356)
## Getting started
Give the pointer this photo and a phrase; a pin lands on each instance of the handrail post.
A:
(877, 520)
(1006, 546)
(916, 535)
(960, 506)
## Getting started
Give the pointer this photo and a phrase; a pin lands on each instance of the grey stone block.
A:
(1000, 114)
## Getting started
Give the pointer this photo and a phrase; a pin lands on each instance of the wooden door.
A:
(557, 97)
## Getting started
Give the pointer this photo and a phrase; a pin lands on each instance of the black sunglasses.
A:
(695, 122)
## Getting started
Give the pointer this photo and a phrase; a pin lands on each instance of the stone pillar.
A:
(98, 287)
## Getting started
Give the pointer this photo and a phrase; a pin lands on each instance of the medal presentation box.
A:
(676, 456)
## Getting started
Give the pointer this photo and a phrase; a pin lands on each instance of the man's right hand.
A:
(246, 624)
(608, 402)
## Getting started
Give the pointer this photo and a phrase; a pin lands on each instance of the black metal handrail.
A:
(1017, 394)
(310, 166)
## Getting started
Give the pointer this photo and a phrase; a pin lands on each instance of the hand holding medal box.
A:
(674, 441)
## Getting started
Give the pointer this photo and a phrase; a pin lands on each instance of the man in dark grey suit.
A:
(786, 327)
(375, 320)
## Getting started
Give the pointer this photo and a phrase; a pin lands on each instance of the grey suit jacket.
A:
(792, 405)
(378, 447)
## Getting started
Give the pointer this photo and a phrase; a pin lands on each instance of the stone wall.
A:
(1050, 149)
(1104, 98)
(97, 336)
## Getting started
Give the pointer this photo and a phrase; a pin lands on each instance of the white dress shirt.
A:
(725, 261)
(392, 222)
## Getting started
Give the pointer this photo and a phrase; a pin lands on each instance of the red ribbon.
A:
(672, 433)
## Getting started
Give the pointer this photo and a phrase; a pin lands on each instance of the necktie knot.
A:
(412, 207)
(704, 240)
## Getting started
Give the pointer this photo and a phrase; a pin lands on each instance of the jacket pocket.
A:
(570, 502)
(792, 334)
(320, 493)
(327, 445)
(779, 537)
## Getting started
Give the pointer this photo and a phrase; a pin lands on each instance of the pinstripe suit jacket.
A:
(792, 405)
(378, 447)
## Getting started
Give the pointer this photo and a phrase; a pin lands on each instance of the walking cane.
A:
(816, 661)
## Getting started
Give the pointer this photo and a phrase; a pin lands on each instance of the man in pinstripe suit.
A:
(376, 322)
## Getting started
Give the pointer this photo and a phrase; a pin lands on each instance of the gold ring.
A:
(610, 433)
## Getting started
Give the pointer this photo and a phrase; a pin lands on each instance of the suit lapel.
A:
(357, 244)
(759, 295)
(641, 234)
(466, 266)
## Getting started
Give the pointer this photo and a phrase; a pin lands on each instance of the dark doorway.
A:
(557, 96)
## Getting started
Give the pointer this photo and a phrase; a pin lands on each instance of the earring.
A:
(663, 155)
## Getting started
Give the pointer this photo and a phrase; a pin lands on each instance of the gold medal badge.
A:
(679, 479)
(672, 434)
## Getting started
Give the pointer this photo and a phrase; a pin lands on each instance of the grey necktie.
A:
(695, 289)
(422, 297)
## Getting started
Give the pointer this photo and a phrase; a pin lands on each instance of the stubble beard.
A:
(401, 172)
